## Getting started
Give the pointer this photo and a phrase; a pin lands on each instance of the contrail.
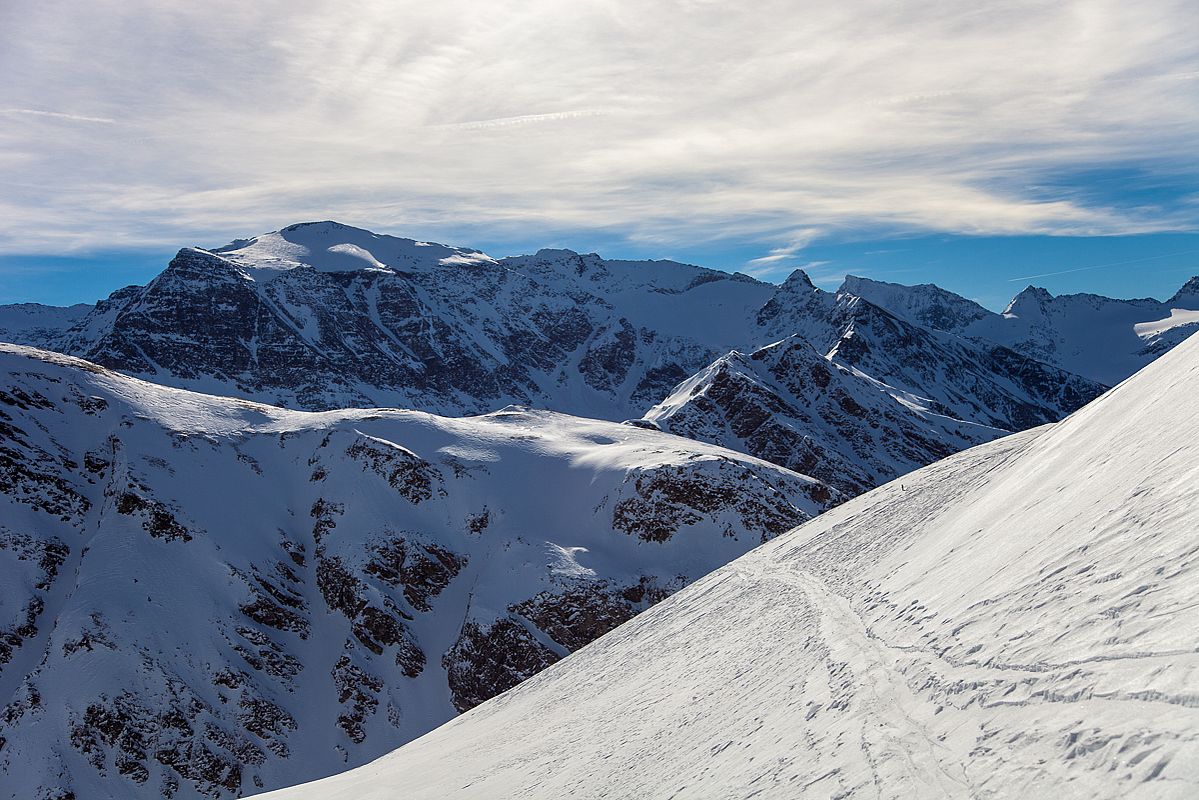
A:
(503, 122)
(57, 115)
(1101, 266)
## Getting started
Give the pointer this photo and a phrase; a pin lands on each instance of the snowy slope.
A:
(1016, 620)
(1097, 337)
(34, 323)
(202, 596)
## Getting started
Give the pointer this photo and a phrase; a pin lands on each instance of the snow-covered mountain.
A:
(863, 395)
(971, 380)
(322, 316)
(788, 404)
(925, 303)
(204, 596)
(1097, 337)
(36, 324)
(1016, 620)
(258, 596)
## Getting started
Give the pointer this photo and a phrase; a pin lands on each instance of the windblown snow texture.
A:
(1018, 619)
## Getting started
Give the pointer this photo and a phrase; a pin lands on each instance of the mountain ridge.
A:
(205, 596)
(324, 316)
(1097, 337)
(356, 555)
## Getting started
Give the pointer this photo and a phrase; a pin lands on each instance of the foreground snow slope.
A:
(205, 597)
(1018, 620)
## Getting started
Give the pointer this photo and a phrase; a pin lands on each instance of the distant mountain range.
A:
(302, 498)
(1097, 337)
(323, 316)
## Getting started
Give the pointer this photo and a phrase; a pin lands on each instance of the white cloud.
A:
(663, 121)
(798, 241)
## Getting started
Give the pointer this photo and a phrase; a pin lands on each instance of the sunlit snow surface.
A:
(1178, 317)
(172, 512)
(1018, 620)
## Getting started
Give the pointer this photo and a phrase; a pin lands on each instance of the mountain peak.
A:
(798, 280)
(851, 283)
(1035, 292)
(196, 262)
(329, 246)
(548, 253)
(326, 225)
(926, 304)
(1032, 299)
(1188, 293)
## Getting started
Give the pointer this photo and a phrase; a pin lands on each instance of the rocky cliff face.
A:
(971, 380)
(882, 397)
(789, 405)
(205, 597)
(325, 316)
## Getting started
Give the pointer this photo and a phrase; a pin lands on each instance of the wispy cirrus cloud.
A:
(798, 240)
(663, 121)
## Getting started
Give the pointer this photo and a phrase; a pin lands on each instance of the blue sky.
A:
(989, 270)
(965, 144)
